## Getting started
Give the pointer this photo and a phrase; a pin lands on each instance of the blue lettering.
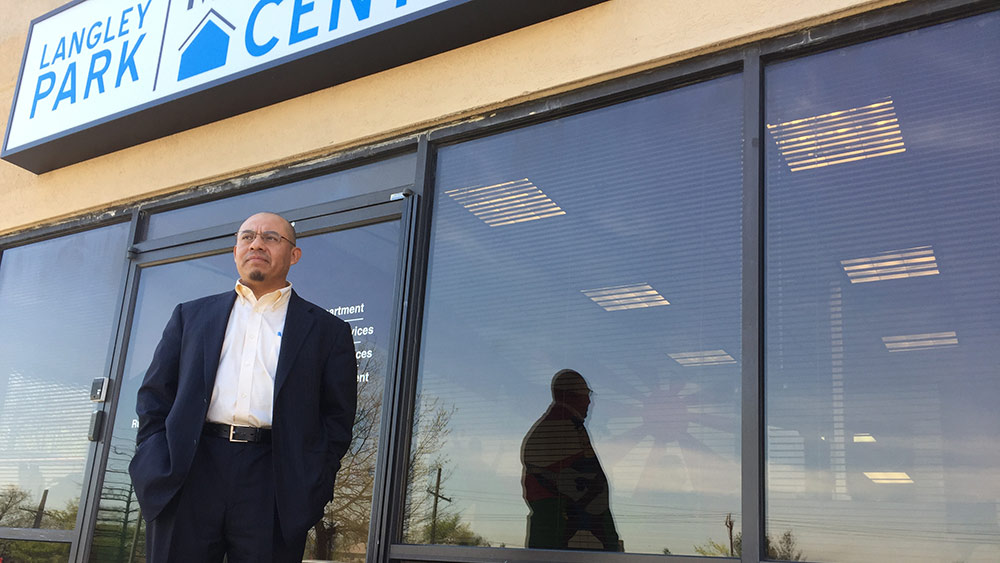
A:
(94, 38)
(142, 12)
(400, 3)
(298, 9)
(76, 42)
(39, 94)
(60, 53)
(255, 49)
(107, 31)
(121, 26)
(64, 92)
(128, 62)
(362, 9)
(43, 64)
(98, 75)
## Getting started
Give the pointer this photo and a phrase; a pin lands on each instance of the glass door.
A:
(58, 312)
(347, 269)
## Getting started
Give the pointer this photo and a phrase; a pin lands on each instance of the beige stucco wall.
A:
(608, 40)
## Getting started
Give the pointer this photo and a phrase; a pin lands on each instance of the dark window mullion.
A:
(38, 534)
(405, 365)
(87, 518)
(752, 445)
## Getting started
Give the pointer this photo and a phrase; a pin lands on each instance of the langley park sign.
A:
(101, 75)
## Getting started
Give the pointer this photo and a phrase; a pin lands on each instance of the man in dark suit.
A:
(244, 414)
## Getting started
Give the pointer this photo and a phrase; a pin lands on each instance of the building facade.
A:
(763, 235)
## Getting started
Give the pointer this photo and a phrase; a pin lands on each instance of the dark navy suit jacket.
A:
(315, 397)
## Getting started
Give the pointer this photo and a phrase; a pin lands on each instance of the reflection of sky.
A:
(58, 300)
(340, 268)
(651, 194)
(830, 375)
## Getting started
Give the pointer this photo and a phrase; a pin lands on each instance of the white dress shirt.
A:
(244, 385)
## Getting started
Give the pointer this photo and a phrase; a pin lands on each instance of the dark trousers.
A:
(225, 508)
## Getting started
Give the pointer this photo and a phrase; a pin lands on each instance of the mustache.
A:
(260, 255)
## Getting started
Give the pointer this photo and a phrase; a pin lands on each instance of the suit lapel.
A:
(298, 322)
(217, 314)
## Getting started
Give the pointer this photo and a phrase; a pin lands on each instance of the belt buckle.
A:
(232, 431)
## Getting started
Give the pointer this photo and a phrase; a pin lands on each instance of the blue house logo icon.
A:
(207, 47)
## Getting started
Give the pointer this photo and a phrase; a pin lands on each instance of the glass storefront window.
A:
(381, 175)
(57, 313)
(579, 377)
(351, 273)
(883, 300)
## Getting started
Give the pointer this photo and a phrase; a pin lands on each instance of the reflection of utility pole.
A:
(729, 526)
(40, 512)
(436, 493)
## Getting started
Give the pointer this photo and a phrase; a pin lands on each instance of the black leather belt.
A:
(238, 433)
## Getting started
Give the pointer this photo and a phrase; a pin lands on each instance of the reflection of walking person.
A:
(564, 485)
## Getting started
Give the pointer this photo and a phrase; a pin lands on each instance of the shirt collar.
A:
(274, 300)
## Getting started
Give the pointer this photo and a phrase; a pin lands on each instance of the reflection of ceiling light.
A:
(863, 437)
(892, 265)
(911, 342)
(888, 477)
(619, 297)
(842, 136)
(506, 203)
(703, 358)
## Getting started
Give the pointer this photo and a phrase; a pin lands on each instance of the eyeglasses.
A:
(270, 238)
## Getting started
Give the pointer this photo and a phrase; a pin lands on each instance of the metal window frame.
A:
(752, 453)
(750, 60)
(390, 483)
(252, 182)
(854, 30)
(602, 95)
(86, 519)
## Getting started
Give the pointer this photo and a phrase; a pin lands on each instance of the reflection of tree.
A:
(12, 501)
(12, 551)
(344, 526)
(449, 529)
(424, 520)
(64, 519)
(18, 509)
(784, 549)
(713, 548)
(430, 431)
(342, 533)
(118, 535)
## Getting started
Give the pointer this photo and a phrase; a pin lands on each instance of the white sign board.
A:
(101, 75)
(96, 58)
